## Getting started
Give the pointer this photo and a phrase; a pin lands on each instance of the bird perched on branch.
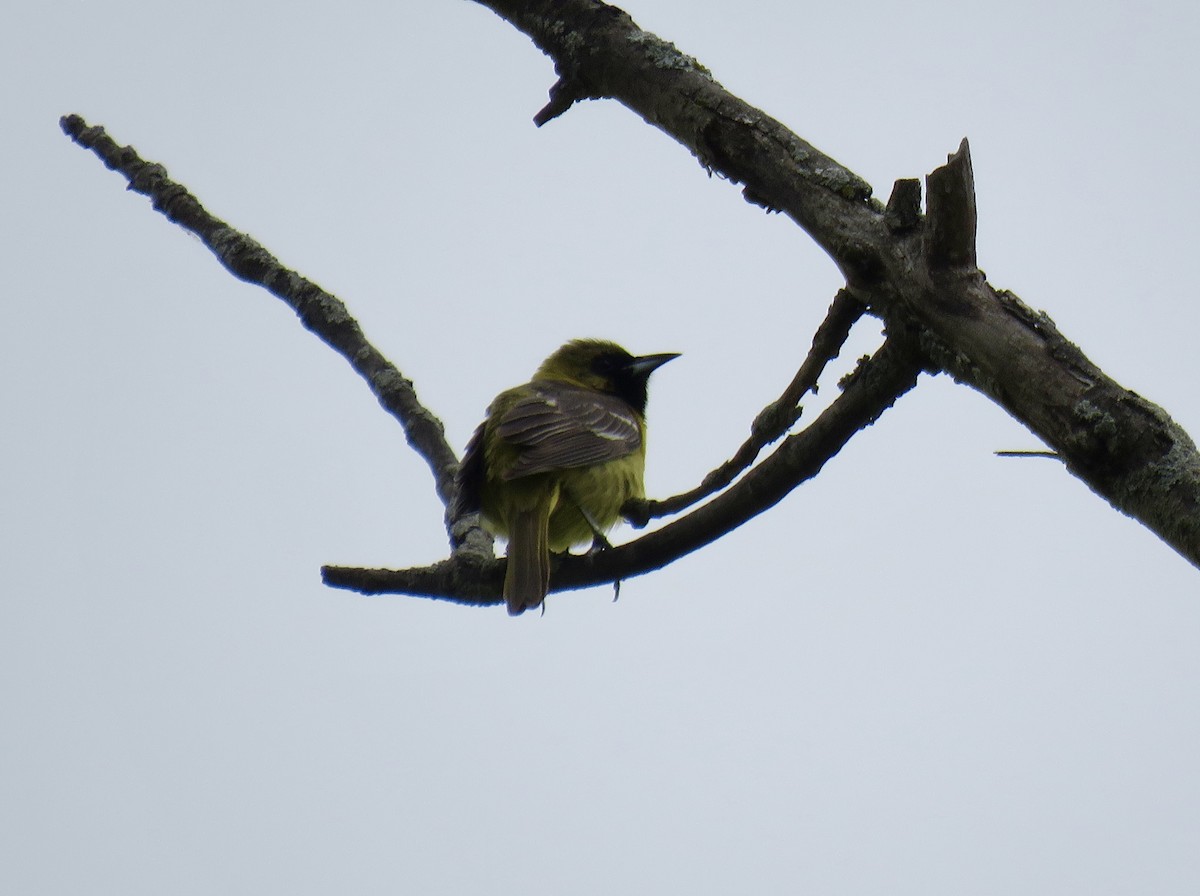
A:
(558, 457)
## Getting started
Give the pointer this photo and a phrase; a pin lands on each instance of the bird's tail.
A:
(527, 578)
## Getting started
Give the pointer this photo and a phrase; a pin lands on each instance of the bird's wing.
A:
(559, 427)
(469, 497)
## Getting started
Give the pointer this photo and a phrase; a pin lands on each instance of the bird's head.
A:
(605, 367)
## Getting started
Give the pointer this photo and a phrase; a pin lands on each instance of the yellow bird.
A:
(556, 459)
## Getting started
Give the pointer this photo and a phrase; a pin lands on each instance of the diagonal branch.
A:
(319, 311)
(916, 273)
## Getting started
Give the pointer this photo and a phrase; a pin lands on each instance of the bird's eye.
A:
(604, 365)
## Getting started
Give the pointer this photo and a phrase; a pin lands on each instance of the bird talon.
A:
(599, 543)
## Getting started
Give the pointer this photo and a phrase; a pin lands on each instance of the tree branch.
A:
(917, 274)
(468, 579)
(952, 214)
(319, 311)
(773, 421)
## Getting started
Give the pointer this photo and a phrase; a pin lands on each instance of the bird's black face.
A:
(612, 368)
(610, 364)
(627, 377)
(603, 366)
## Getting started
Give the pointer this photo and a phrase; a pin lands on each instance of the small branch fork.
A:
(773, 421)
(876, 385)
(472, 575)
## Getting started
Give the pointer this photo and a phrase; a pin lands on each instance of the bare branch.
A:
(952, 215)
(319, 311)
(918, 275)
(774, 420)
(563, 94)
(879, 381)
(903, 212)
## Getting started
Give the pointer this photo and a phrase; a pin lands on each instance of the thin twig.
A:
(774, 420)
(321, 312)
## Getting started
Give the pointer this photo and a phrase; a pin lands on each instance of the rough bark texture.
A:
(319, 311)
(916, 272)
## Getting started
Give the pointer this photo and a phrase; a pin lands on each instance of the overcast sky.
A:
(929, 671)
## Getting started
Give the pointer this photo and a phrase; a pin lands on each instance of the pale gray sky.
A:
(930, 671)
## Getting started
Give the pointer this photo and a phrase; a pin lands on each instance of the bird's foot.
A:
(599, 542)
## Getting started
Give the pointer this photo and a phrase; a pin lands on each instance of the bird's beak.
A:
(647, 364)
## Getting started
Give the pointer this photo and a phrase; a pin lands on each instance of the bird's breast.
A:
(600, 490)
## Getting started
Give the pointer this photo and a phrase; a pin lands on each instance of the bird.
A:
(555, 459)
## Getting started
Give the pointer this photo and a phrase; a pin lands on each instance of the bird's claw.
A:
(599, 543)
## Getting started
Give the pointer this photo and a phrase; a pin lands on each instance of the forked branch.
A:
(916, 272)
(774, 420)
(879, 381)
(472, 575)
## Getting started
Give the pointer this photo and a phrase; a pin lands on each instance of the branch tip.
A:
(952, 214)
(563, 95)
(903, 211)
